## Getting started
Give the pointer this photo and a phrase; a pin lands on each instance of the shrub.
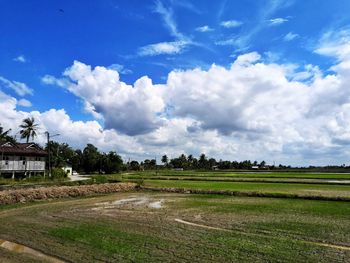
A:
(58, 173)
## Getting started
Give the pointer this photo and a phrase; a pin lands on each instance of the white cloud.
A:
(290, 36)
(231, 23)
(20, 59)
(335, 43)
(24, 103)
(167, 15)
(129, 109)
(121, 69)
(167, 48)
(20, 88)
(240, 43)
(252, 110)
(278, 21)
(203, 29)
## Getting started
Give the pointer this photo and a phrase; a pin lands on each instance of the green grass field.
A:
(148, 226)
(267, 174)
(220, 229)
(322, 190)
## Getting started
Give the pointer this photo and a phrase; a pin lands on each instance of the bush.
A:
(58, 173)
(100, 179)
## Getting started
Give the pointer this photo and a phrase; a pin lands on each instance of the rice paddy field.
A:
(154, 226)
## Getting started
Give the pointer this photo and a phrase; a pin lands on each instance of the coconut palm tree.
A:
(3, 134)
(29, 128)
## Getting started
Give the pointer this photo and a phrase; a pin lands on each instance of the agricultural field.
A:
(152, 226)
(246, 174)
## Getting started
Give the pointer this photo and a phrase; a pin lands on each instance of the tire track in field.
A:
(260, 235)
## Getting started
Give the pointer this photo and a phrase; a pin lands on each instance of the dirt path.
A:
(255, 234)
(18, 248)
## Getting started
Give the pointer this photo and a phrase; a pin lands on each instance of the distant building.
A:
(255, 167)
(21, 159)
(215, 167)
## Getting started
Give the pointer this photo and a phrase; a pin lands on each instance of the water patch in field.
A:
(338, 181)
(18, 248)
(140, 202)
(157, 204)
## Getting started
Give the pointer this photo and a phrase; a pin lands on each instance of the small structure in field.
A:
(68, 169)
(23, 159)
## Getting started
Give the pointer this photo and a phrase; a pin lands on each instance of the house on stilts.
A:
(21, 159)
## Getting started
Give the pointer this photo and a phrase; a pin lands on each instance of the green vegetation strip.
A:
(300, 191)
(248, 180)
(286, 175)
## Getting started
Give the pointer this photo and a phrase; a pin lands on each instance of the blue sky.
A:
(155, 38)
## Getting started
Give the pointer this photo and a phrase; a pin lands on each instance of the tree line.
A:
(89, 160)
(192, 163)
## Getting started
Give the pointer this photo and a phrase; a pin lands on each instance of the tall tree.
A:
(29, 128)
(61, 154)
(78, 161)
(203, 161)
(111, 162)
(165, 159)
(91, 159)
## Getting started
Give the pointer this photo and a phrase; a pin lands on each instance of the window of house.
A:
(23, 159)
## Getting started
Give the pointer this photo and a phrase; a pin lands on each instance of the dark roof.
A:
(32, 149)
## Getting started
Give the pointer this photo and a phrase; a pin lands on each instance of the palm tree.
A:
(28, 129)
(3, 134)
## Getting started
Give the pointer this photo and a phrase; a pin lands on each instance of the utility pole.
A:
(49, 150)
(155, 158)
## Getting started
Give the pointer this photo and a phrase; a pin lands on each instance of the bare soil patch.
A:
(18, 248)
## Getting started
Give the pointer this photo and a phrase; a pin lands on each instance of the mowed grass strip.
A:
(305, 175)
(335, 191)
(244, 179)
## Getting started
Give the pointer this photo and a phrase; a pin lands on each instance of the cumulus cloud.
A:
(76, 133)
(231, 23)
(254, 109)
(129, 109)
(20, 88)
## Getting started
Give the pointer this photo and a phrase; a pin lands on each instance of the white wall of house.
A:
(22, 164)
